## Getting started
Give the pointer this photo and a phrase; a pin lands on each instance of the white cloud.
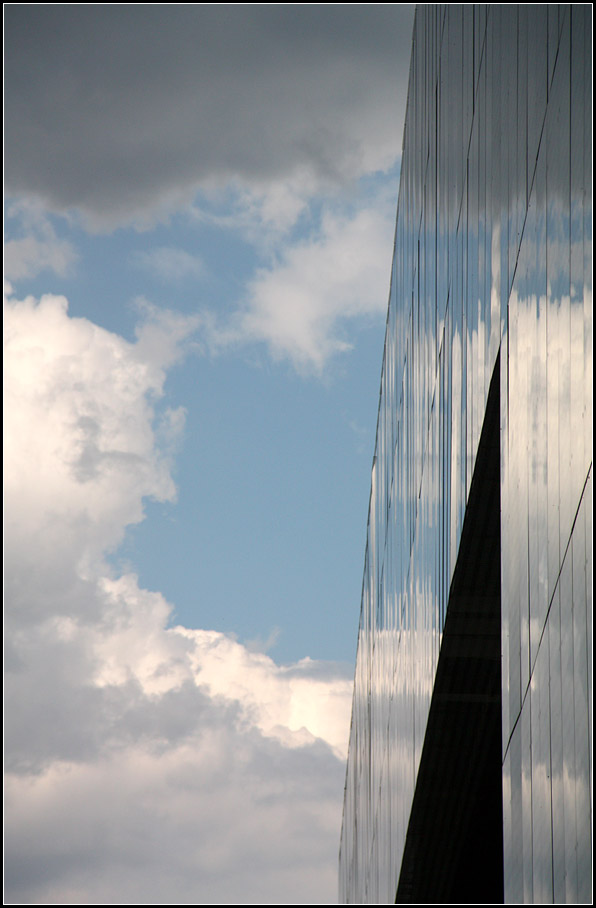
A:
(144, 762)
(300, 306)
(262, 212)
(78, 416)
(285, 702)
(306, 303)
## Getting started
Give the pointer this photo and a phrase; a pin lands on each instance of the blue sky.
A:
(199, 219)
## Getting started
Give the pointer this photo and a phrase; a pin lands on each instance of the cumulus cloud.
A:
(123, 112)
(144, 762)
(79, 406)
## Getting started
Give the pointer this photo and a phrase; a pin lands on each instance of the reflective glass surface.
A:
(492, 252)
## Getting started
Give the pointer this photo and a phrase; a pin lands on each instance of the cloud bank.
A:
(143, 762)
(123, 114)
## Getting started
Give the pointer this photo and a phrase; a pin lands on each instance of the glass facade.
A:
(491, 279)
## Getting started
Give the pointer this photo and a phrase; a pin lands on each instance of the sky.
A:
(199, 214)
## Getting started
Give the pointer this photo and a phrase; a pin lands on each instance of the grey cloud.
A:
(75, 721)
(260, 828)
(116, 109)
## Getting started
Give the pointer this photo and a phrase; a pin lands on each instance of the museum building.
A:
(469, 775)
